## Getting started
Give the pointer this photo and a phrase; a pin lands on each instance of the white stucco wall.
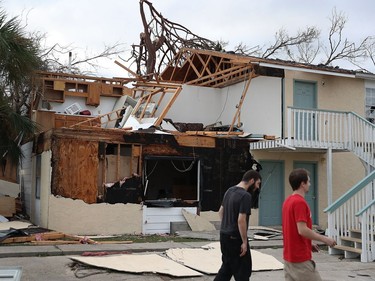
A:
(77, 217)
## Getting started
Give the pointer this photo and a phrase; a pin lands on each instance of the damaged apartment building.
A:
(126, 155)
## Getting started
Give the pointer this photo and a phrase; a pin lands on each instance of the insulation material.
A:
(145, 123)
(197, 223)
(139, 264)
(208, 259)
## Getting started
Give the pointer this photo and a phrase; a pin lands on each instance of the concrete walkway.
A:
(331, 268)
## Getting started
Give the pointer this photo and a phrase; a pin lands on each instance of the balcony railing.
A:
(344, 131)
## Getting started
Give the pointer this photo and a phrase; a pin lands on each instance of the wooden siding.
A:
(75, 169)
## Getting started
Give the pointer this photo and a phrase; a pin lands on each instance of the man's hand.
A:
(330, 242)
(243, 249)
(315, 248)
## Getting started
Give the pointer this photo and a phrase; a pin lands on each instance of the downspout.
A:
(329, 176)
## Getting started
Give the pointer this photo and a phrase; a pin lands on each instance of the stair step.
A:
(348, 249)
(355, 230)
(351, 239)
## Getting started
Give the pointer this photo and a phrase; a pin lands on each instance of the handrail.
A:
(365, 208)
(363, 119)
(319, 110)
(334, 111)
(347, 195)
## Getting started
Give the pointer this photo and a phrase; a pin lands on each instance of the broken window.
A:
(171, 178)
(120, 167)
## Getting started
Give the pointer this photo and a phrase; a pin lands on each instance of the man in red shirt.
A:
(298, 233)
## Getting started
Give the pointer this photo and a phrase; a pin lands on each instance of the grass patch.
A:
(150, 238)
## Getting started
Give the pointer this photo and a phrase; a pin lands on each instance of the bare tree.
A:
(160, 41)
(284, 42)
(370, 49)
(340, 48)
(64, 58)
(245, 50)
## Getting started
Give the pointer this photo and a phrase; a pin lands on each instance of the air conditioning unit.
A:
(73, 108)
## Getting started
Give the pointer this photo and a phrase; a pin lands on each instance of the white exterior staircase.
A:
(351, 218)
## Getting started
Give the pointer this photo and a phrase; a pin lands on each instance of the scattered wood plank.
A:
(50, 238)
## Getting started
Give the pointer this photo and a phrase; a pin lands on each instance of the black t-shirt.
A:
(236, 201)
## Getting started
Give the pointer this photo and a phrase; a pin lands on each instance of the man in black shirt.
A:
(234, 213)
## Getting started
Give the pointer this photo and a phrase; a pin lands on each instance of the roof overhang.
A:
(304, 69)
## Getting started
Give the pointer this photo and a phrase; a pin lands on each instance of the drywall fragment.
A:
(197, 223)
(139, 264)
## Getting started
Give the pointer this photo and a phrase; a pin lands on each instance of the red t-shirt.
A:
(296, 247)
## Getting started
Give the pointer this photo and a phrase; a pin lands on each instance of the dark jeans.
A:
(233, 264)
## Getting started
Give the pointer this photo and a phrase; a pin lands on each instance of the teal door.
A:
(305, 97)
(272, 193)
(312, 196)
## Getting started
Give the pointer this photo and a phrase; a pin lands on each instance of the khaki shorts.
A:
(301, 271)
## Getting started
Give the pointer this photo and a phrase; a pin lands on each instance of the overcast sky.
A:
(89, 24)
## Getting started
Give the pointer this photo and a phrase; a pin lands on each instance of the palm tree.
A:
(18, 53)
(18, 61)
(14, 128)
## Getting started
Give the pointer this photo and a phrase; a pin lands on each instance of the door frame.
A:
(282, 192)
(316, 206)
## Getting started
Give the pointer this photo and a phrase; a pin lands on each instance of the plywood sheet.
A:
(139, 264)
(208, 259)
(197, 223)
(75, 169)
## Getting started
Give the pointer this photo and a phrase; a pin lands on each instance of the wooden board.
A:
(195, 141)
(65, 120)
(75, 169)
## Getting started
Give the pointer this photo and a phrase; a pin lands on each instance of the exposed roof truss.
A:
(207, 68)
